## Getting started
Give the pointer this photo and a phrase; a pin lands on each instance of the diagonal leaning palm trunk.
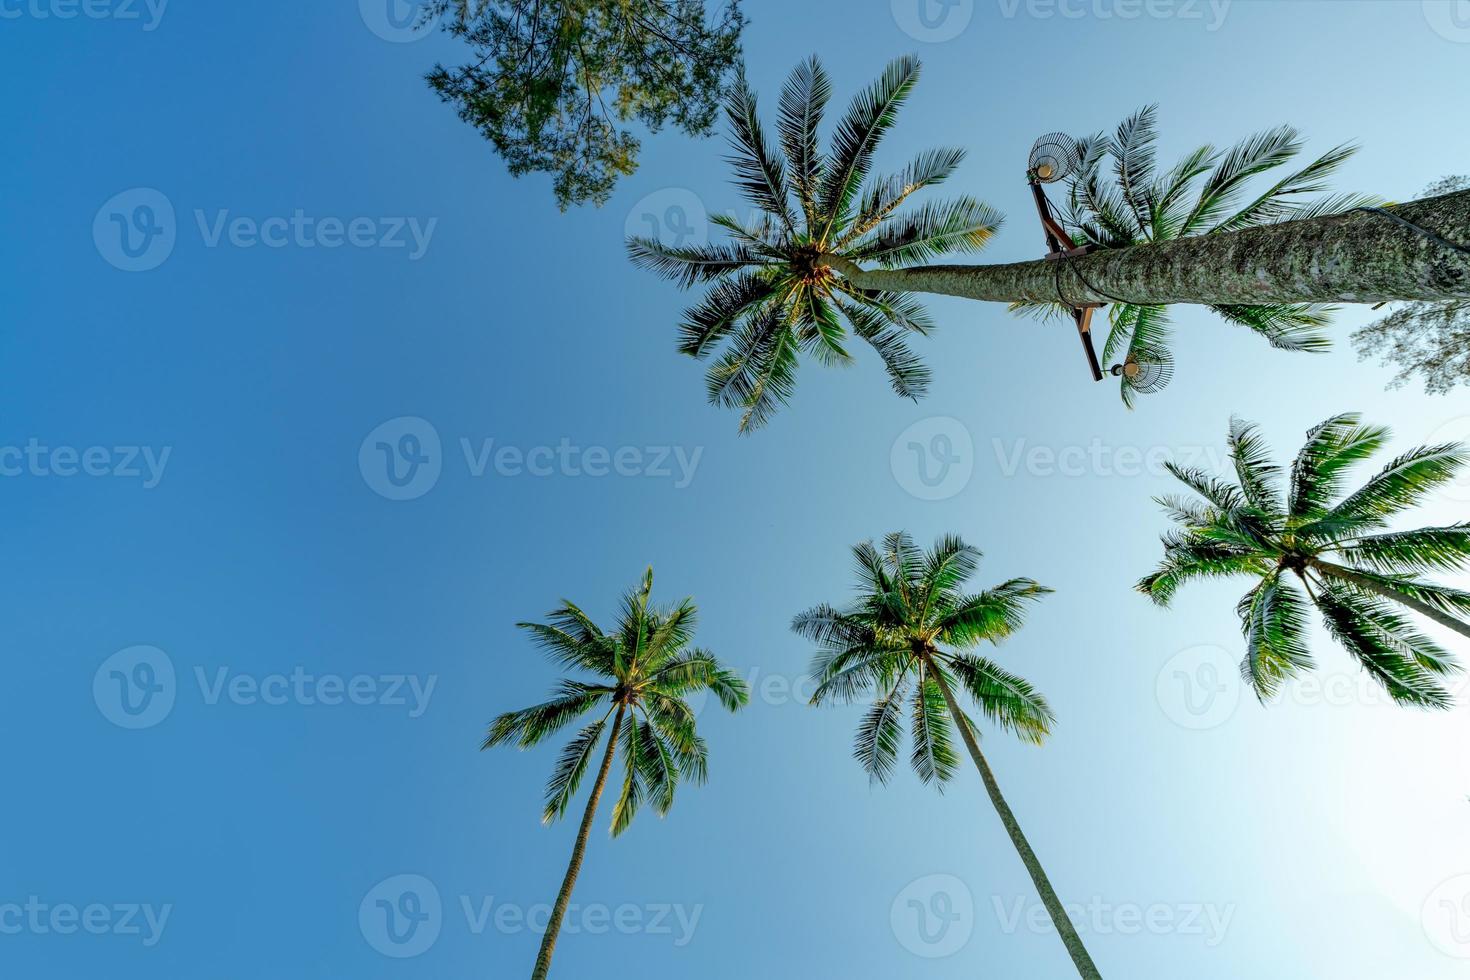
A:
(559, 910)
(1329, 570)
(1080, 958)
(1357, 257)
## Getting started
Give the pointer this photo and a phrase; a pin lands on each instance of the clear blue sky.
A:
(1307, 839)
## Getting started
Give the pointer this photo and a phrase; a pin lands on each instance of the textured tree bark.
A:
(1357, 257)
(559, 910)
(1059, 918)
(1330, 570)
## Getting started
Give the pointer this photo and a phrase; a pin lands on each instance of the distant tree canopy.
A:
(554, 83)
(1431, 340)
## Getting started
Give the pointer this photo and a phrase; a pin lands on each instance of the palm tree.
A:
(785, 285)
(1207, 193)
(1335, 544)
(907, 639)
(645, 668)
(776, 298)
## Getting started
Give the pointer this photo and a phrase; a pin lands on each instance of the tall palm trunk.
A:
(559, 910)
(1059, 918)
(1367, 584)
(1357, 257)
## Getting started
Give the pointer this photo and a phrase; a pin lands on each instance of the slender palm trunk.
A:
(559, 910)
(1330, 570)
(1059, 918)
(1357, 257)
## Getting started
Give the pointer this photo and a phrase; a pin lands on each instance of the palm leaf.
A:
(759, 172)
(570, 766)
(869, 116)
(803, 102)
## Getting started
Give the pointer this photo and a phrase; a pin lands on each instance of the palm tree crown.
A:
(1207, 192)
(645, 668)
(1335, 545)
(909, 631)
(774, 296)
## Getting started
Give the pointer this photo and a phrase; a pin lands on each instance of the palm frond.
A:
(1292, 327)
(961, 225)
(759, 171)
(886, 196)
(1350, 620)
(879, 733)
(530, 725)
(689, 265)
(711, 321)
(570, 766)
(1332, 448)
(1401, 484)
(630, 799)
(869, 116)
(933, 757)
(1277, 203)
(1134, 162)
(907, 372)
(1257, 475)
(1251, 156)
(1005, 699)
(803, 102)
(1274, 620)
(1442, 549)
(991, 615)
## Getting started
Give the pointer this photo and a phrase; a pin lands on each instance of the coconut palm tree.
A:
(643, 670)
(908, 640)
(1209, 192)
(827, 258)
(775, 298)
(1335, 545)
